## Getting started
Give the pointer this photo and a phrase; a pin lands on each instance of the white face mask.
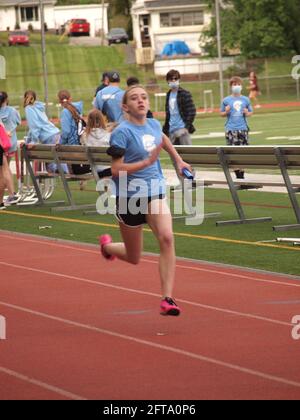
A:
(175, 84)
(237, 90)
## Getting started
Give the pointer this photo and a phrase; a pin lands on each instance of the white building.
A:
(157, 22)
(26, 12)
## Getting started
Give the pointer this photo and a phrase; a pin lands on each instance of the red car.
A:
(78, 27)
(18, 38)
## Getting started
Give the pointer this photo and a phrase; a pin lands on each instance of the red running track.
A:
(79, 327)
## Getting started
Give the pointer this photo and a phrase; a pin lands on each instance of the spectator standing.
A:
(109, 99)
(254, 89)
(180, 111)
(104, 82)
(236, 108)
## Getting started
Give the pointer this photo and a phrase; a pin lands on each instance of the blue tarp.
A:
(176, 48)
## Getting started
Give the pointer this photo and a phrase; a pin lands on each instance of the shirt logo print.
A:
(149, 142)
(238, 106)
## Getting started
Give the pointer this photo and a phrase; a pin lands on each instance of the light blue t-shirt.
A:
(109, 101)
(10, 118)
(236, 120)
(138, 142)
(176, 122)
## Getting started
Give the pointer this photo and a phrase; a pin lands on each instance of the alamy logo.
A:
(296, 69)
(2, 328)
(187, 203)
(296, 328)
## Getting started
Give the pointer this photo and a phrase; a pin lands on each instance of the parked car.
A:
(18, 38)
(117, 36)
(76, 27)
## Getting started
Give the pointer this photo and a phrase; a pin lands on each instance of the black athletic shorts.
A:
(237, 138)
(1, 156)
(139, 219)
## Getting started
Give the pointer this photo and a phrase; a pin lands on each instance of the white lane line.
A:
(207, 270)
(196, 356)
(141, 292)
(41, 384)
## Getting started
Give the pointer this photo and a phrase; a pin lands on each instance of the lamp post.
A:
(44, 59)
(219, 41)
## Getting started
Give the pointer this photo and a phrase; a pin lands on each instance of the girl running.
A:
(135, 147)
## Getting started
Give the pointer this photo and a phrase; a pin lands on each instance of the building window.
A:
(29, 14)
(168, 20)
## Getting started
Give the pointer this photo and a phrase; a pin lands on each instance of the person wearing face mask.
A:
(236, 108)
(180, 111)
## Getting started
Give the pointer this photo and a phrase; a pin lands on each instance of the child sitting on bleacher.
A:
(97, 135)
(41, 130)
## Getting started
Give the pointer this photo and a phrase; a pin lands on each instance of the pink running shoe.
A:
(103, 241)
(169, 307)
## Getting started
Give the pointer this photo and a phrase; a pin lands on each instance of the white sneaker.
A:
(13, 199)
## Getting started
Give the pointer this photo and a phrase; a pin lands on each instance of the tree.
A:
(259, 28)
(122, 7)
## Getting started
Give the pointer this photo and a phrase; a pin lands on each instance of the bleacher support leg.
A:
(233, 190)
(291, 191)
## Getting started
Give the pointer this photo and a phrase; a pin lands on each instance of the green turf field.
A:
(238, 245)
(266, 129)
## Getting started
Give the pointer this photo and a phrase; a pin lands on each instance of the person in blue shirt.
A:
(140, 189)
(41, 130)
(236, 108)
(109, 99)
(180, 111)
(10, 118)
(70, 118)
(72, 126)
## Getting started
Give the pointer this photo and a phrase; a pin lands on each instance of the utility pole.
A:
(219, 40)
(102, 32)
(44, 59)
